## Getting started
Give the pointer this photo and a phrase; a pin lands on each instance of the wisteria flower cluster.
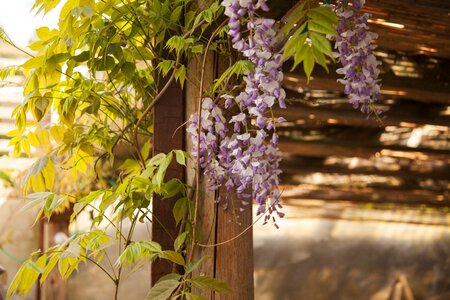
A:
(241, 153)
(355, 51)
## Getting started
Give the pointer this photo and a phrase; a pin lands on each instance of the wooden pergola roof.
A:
(333, 152)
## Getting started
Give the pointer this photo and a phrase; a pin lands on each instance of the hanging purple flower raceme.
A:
(242, 153)
(355, 46)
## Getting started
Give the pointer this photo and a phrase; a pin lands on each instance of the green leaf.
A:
(162, 290)
(180, 74)
(320, 58)
(165, 66)
(180, 209)
(162, 169)
(145, 150)
(49, 267)
(181, 156)
(324, 13)
(152, 246)
(239, 68)
(321, 27)
(295, 43)
(190, 296)
(176, 43)
(130, 166)
(173, 257)
(172, 188)
(36, 199)
(142, 53)
(180, 240)
(300, 55)
(157, 159)
(128, 69)
(208, 283)
(176, 13)
(197, 49)
(321, 43)
(173, 276)
(195, 264)
(34, 63)
(308, 63)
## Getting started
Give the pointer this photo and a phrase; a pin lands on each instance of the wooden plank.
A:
(322, 149)
(364, 195)
(308, 165)
(387, 90)
(393, 117)
(168, 116)
(234, 255)
(218, 225)
(234, 258)
(206, 233)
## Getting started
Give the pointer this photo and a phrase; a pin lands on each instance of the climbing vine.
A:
(91, 86)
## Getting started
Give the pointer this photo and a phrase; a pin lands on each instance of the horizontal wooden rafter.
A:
(308, 165)
(421, 95)
(323, 149)
(365, 195)
(356, 118)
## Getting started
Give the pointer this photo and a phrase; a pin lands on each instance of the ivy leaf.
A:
(162, 290)
(208, 283)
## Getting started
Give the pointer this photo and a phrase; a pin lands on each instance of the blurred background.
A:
(366, 201)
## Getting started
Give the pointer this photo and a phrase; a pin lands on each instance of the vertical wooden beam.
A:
(232, 261)
(168, 115)
(206, 233)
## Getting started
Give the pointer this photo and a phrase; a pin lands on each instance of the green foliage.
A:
(97, 74)
(307, 30)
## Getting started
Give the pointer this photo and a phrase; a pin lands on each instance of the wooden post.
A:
(168, 117)
(232, 261)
